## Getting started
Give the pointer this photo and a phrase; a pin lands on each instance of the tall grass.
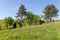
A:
(46, 31)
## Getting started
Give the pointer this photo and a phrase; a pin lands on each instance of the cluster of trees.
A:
(25, 18)
(28, 17)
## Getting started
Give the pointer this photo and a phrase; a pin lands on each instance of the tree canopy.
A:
(21, 12)
(50, 11)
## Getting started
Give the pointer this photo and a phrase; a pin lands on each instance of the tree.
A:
(32, 18)
(29, 17)
(36, 19)
(8, 21)
(14, 25)
(21, 12)
(50, 11)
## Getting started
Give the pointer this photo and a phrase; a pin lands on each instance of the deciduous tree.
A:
(50, 11)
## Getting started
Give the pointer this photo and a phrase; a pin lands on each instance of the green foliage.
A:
(36, 19)
(29, 17)
(21, 12)
(42, 21)
(8, 21)
(48, 31)
(32, 19)
(26, 18)
(26, 22)
(50, 11)
(14, 25)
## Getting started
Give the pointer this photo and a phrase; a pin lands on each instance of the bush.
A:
(14, 25)
(41, 21)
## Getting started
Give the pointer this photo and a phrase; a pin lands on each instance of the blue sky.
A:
(10, 7)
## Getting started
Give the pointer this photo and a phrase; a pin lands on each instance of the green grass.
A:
(50, 31)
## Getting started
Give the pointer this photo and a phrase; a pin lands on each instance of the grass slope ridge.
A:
(48, 31)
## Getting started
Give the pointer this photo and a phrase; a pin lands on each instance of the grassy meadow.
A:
(50, 31)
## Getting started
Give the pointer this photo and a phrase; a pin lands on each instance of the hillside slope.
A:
(48, 31)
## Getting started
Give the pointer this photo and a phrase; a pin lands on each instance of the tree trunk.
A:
(50, 19)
